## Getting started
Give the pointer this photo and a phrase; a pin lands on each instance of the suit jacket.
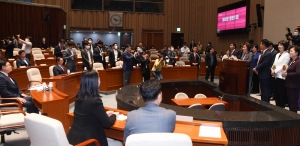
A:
(8, 89)
(57, 51)
(90, 119)
(144, 63)
(9, 50)
(292, 80)
(208, 59)
(150, 118)
(128, 61)
(58, 70)
(112, 61)
(264, 65)
(284, 59)
(192, 59)
(85, 58)
(274, 53)
(296, 40)
(44, 45)
(236, 53)
(70, 61)
(98, 57)
(192, 46)
(21, 62)
(247, 57)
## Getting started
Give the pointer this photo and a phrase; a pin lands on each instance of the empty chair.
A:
(218, 107)
(181, 95)
(15, 53)
(36, 52)
(17, 49)
(183, 59)
(15, 64)
(36, 125)
(33, 49)
(180, 63)
(119, 63)
(202, 59)
(51, 71)
(153, 52)
(158, 139)
(34, 76)
(98, 66)
(38, 57)
(200, 96)
(196, 106)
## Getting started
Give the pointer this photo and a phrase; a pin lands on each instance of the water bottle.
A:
(44, 86)
(50, 86)
(68, 71)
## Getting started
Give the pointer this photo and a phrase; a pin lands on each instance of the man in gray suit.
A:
(151, 117)
(70, 56)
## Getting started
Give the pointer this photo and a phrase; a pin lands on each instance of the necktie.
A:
(194, 57)
(62, 68)
(25, 61)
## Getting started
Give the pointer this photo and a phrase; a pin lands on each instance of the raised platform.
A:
(248, 121)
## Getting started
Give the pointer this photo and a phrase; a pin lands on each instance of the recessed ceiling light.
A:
(77, 31)
(109, 32)
(93, 32)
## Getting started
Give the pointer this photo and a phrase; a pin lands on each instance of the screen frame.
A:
(230, 7)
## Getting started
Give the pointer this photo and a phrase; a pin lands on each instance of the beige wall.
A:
(278, 15)
(196, 18)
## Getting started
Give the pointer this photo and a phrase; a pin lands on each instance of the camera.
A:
(288, 34)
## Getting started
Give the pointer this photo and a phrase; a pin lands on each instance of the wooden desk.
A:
(53, 104)
(20, 75)
(179, 72)
(49, 62)
(203, 101)
(68, 84)
(191, 129)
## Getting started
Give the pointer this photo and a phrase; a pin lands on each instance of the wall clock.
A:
(115, 19)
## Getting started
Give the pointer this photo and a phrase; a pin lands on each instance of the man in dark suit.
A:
(263, 70)
(161, 119)
(128, 61)
(58, 50)
(274, 53)
(208, 47)
(141, 45)
(194, 57)
(83, 42)
(144, 60)
(9, 47)
(44, 44)
(99, 54)
(9, 88)
(233, 51)
(192, 44)
(114, 55)
(210, 64)
(70, 56)
(87, 57)
(90, 41)
(59, 69)
(22, 61)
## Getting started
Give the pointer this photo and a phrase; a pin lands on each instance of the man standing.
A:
(211, 64)
(44, 44)
(192, 45)
(128, 61)
(273, 53)
(141, 45)
(87, 57)
(9, 48)
(151, 117)
(26, 46)
(83, 42)
(208, 47)
(10, 89)
(263, 70)
(233, 51)
(99, 54)
(144, 60)
(195, 58)
(90, 40)
(58, 50)
(22, 61)
(114, 55)
(70, 56)
(59, 69)
(185, 50)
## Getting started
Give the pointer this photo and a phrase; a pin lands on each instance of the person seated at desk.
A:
(59, 69)
(151, 117)
(90, 117)
(10, 89)
(22, 61)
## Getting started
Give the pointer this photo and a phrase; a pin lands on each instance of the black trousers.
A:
(126, 77)
(30, 106)
(272, 80)
(88, 67)
(146, 74)
(255, 83)
(210, 71)
(265, 89)
(293, 96)
(280, 94)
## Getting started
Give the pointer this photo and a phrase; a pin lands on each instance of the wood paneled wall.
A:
(196, 18)
(27, 20)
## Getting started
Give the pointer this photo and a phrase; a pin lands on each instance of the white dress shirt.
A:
(284, 59)
(116, 55)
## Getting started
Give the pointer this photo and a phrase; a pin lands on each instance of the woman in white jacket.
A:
(282, 59)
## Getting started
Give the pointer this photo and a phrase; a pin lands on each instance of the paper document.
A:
(184, 118)
(210, 131)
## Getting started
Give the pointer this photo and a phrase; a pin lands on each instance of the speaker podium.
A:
(234, 77)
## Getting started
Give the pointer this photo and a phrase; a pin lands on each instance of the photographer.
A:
(295, 38)
(9, 47)
(157, 66)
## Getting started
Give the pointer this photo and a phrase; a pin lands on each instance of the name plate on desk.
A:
(184, 118)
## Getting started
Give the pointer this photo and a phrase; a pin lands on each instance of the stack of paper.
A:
(210, 131)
